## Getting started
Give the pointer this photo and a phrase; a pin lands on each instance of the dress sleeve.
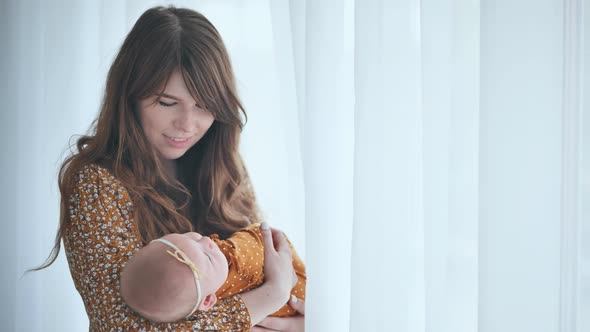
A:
(100, 238)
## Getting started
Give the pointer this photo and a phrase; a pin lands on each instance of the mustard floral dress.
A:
(99, 240)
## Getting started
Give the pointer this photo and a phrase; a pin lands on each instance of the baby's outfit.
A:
(244, 251)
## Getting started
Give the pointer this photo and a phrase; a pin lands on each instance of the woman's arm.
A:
(285, 324)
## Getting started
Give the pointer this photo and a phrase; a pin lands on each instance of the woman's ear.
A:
(208, 302)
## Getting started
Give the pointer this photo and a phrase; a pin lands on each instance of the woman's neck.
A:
(170, 167)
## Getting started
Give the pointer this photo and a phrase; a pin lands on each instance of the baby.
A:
(177, 274)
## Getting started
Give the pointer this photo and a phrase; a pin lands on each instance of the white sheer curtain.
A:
(462, 204)
(430, 159)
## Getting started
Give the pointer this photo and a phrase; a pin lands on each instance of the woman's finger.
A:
(281, 244)
(297, 304)
(267, 237)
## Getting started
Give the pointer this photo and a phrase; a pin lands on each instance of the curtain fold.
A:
(388, 289)
(450, 150)
(416, 166)
(584, 207)
(328, 157)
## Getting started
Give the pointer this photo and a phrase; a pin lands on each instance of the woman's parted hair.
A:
(213, 193)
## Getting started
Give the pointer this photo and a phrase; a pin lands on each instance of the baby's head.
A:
(160, 283)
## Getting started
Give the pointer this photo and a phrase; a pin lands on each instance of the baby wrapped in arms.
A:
(177, 274)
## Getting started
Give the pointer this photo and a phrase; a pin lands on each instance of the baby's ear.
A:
(208, 302)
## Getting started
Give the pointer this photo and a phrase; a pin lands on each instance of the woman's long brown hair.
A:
(212, 193)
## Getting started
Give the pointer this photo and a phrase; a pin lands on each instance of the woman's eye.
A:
(209, 258)
(166, 105)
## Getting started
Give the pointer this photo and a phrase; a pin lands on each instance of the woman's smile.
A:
(177, 142)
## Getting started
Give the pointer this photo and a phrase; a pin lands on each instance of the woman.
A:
(163, 158)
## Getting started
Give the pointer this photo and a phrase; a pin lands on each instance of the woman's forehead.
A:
(175, 88)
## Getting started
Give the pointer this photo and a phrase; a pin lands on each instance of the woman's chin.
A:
(173, 155)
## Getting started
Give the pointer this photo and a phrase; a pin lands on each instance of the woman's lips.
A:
(177, 144)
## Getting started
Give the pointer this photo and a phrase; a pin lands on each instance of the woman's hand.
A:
(285, 324)
(278, 264)
(279, 277)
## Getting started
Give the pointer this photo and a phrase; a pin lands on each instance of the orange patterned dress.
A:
(99, 240)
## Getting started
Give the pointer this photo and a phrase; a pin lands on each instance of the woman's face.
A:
(172, 122)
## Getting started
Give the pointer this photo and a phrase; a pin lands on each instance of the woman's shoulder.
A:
(96, 177)
(96, 182)
(95, 173)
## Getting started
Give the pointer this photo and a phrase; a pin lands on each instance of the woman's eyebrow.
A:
(168, 96)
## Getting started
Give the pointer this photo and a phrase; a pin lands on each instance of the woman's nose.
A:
(187, 121)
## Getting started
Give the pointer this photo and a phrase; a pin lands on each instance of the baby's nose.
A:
(208, 242)
(196, 235)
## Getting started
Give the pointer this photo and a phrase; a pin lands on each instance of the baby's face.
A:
(206, 255)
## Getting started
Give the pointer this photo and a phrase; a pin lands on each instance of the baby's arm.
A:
(245, 255)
